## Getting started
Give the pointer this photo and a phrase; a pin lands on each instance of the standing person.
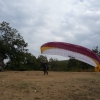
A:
(44, 66)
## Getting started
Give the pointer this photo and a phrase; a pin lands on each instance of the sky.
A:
(42, 21)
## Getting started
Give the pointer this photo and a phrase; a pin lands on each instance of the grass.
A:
(33, 85)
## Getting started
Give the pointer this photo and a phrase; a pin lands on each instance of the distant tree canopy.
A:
(96, 50)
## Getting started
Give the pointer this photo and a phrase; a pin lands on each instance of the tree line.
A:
(14, 48)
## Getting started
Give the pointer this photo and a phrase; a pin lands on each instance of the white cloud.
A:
(41, 21)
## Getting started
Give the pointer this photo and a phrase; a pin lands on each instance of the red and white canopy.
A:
(71, 50)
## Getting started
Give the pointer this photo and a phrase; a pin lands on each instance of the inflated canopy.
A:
(73, 51)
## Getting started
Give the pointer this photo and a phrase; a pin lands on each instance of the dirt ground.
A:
(33, 85)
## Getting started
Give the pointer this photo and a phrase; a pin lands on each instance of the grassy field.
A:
(33, 85)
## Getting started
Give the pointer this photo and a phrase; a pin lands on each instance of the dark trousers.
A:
(45, 70)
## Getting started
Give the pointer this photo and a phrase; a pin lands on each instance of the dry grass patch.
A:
(33, 85)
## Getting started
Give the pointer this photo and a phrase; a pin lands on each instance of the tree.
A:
(29, 62)
(12, 44)
(1, 63)
(76, 65)
(72, 64)
(40, 59)
(96, 50)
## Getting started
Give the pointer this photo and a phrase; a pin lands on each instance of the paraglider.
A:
(73, 51)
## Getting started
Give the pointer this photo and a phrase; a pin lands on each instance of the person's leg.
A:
(44, 72)
(47, 72)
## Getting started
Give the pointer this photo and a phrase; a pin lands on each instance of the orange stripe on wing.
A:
(46, 48)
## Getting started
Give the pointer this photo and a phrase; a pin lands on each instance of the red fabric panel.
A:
(74, 48)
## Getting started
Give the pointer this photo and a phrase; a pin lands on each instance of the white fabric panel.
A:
(67, 53)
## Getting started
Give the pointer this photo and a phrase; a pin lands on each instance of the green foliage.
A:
(13, 47)
(71, 64)
(27, 62)
(41, 57)
(76, 65)
(11, 41)
(55, 65)
(96, 50)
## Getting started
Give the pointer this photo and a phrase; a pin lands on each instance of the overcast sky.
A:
(41, 21)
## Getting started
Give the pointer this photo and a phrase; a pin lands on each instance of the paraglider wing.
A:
(70, 50)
